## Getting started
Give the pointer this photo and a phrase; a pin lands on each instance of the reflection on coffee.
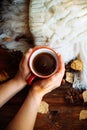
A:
(44, 64)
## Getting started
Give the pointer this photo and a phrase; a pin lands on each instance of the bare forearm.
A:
(8, 90)
(25, 118)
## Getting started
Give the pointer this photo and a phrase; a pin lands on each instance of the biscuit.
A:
(77, 65)
(84, 94)
(69, 77)
(83, 115)
(44, 107)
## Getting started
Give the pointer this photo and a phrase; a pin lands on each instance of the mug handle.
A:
(31, 78)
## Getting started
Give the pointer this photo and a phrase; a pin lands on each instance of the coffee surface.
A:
(44, 64)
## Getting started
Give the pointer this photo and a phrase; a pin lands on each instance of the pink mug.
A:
(43, 63)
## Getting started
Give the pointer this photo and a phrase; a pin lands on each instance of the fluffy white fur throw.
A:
(14, 24)
(60, 23)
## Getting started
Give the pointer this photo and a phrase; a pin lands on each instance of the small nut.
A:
(63, 81)
(3, 76)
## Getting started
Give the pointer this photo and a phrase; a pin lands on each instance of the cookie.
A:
(77, 65)
(84, 94)
(44, 107)
(69, 77)
(83, 115)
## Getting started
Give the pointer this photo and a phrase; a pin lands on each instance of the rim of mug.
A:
(43, 47)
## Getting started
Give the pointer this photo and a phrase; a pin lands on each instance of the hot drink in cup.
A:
(43, 63)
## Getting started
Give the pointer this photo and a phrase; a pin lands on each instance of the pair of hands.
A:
(42, 86)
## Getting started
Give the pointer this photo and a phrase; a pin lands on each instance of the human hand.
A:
(44, 86)
(24, 71)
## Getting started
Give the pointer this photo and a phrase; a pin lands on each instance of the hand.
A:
(44, 86)
(24, 71)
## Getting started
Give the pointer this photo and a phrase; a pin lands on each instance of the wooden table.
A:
(61, 116)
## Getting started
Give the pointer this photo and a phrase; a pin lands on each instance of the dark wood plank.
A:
(62, 115)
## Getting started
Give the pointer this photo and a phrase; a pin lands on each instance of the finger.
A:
(26, 57)
(61, 65)
(28, 52)
(61, 70)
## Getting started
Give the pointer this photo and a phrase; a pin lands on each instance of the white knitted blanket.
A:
(62, 24)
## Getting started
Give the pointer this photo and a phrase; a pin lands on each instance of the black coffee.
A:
(44, 64)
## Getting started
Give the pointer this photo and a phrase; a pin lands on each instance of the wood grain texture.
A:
(62, 115)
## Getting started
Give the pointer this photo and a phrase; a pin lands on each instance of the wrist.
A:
(20, 82)
(35, 93)
(39, 89)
